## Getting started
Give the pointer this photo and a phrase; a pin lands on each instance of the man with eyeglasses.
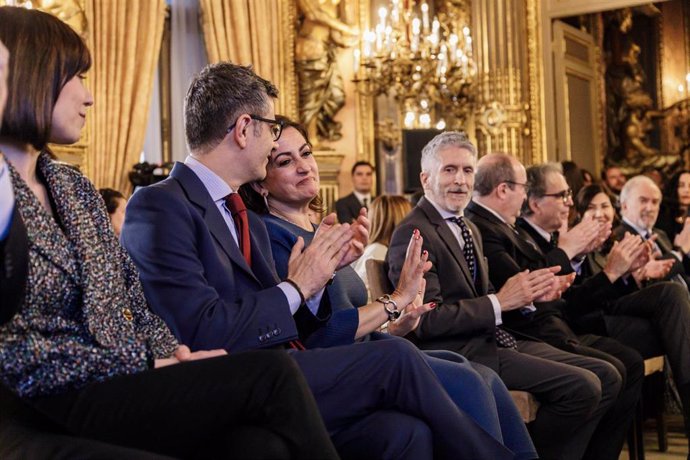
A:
(511, 249)
(207, 270)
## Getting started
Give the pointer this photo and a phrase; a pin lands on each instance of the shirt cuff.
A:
(577, 265)
(497, 308)
(314, 302)
(293, 297)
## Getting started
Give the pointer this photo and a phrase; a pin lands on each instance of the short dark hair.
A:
(489, 176)
(606, 169)
(110, 196)
(217, 96)
(254, 201)
(536, 178)
(361, 163)
(45, 53)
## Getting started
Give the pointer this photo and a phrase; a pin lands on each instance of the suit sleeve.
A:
(170, 244)
(333, 326)
(467, 316)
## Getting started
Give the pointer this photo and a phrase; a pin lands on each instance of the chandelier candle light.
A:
(419, 60)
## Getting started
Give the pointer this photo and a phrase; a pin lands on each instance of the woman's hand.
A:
(411, 314)
(412, 274)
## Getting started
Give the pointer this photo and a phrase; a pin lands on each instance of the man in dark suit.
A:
(640, 203)
(499, 195)
(207, 270)
(349, 207)
(662, 308)
(468, 315)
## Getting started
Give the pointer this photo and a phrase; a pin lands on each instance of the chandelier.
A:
(424, 62)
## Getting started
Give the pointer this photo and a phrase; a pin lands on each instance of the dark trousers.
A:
(573, 399)
(607, 440)
(202, 409)
(656, 321)
(353, 383)
(621, 379)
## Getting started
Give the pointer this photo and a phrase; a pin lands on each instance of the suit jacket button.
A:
(276, 332)
(127, 313)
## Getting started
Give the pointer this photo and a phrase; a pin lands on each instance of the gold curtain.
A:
(257, 32)
(125, 38)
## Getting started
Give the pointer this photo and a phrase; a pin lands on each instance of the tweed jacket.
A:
(83, 318)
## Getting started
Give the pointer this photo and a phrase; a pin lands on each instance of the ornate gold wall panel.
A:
(502, 104)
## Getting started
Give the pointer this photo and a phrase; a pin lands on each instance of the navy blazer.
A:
(193, 273)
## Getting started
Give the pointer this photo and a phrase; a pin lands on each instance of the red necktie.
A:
(239, 215)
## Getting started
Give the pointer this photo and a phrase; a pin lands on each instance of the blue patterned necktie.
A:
(503, 338)
(468, 249)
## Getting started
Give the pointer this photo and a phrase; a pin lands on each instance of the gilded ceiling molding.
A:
(536, 82)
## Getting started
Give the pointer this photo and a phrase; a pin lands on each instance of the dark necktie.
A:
(468, 249)
(503, 338)
(554, 240)
(365, 203)
(239, 215)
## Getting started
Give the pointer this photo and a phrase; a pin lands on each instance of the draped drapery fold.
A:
(125, 44)
(256, 32)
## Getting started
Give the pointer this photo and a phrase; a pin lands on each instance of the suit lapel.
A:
(542, 246)
(198, 195)
(449, 239)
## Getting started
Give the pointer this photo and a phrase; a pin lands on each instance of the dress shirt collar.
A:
(444, 214)
(362, 196)
(216, 187)
(498, 216)
(544, 234)
(642, 231)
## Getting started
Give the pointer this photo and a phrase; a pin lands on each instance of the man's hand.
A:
(182, 354)
(623, 256)
(525, 287)
(312, 267)
(653, 270)
(682, 239)
(559, 285)
(584, 237)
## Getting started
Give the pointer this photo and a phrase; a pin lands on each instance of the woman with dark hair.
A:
(82, 348)
(283, 199)
(673, 216)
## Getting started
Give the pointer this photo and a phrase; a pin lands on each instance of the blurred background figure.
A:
(675, 204)
(385, 214)
(116, 203)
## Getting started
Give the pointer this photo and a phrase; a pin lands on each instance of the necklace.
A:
(273, 211)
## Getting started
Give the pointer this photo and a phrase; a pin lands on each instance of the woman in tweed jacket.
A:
(82, 347)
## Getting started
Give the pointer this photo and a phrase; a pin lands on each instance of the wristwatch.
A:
(390, 306)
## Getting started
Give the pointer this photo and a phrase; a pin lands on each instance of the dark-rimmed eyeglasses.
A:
(565, 195)
(525, 185)
(276, 126)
